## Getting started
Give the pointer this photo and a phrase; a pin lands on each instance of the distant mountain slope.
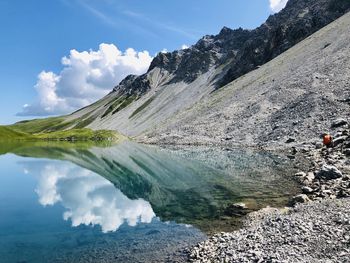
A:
(177, 81)
(295, 96)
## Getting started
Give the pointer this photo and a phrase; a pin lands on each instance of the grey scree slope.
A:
(297, 94)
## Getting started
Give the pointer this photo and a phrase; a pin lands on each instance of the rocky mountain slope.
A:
(183, 98)
(293, 97)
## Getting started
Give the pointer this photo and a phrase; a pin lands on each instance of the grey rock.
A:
(310, 176)
(319, 145)
(307, 190)
(290, 140)
(339, 122)
(302, 198)
(328, 172)
(339, 140)
(300, 174)
(320, 227)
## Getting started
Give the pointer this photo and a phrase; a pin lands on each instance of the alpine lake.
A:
(73, 202)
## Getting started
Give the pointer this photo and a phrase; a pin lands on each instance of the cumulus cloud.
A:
(277, 5)
(88, 198)
(86, 76)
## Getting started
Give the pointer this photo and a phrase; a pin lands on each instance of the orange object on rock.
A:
(327, 139)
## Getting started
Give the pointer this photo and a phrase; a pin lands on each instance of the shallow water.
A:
(128, 202)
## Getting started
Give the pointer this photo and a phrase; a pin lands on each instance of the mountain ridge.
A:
(175, 82)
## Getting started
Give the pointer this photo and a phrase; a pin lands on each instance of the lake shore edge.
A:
(314, 228)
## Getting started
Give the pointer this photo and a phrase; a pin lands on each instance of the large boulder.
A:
(328, 172)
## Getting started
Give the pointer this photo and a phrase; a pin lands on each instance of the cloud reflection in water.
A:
(88, 198)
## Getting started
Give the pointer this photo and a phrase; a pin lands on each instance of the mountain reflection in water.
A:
(133, 183)
(127, 202)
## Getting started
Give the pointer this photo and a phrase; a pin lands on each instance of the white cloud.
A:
(277, 5)
(88, 198)
(184, 46)
(86, 77)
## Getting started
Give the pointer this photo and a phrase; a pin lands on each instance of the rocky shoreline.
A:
(316, 226)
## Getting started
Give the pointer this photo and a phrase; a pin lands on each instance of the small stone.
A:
(307, 190)
(310, 176)
(339, 122)
(290, 140)
(240, 205)
(300, 174)
(302, 198)
(319, 145)
(339, 140)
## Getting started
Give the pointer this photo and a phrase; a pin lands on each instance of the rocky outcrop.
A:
(244, 50)
(298, 20)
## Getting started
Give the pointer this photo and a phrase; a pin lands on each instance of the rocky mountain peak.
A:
(240, 50)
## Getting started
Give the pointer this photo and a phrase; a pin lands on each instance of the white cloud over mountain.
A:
(88, 198)
(277, 5)
(86, 77)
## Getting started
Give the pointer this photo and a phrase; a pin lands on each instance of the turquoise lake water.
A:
(128, 202)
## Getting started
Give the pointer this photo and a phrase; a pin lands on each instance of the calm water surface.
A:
(128, 202)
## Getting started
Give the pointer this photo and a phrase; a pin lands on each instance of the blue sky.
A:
(37, 34)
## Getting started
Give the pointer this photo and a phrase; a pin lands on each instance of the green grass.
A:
(112, 106)
(79, 135)
(73, 135)
(41, 125)
(7, 134)
(118, 105)
(142, 107)
(124, 104)
(84, 123)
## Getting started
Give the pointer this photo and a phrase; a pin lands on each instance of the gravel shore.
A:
(315, 229)
(313, 232)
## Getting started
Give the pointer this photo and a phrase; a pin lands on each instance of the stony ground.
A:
(316, 229)
(315, 232)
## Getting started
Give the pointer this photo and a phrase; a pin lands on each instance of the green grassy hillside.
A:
(14, 133)
(41, 125)
(7, 134)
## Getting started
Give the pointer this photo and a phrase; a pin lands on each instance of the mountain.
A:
(235, 86)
